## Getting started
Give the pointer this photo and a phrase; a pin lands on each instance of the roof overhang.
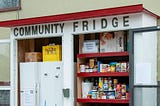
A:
(78, 15)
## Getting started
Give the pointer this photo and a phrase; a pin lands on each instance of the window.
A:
(4, 97)
(5, 87)
(8, 5)
(4, 63)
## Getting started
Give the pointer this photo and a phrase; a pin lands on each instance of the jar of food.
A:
(104, 96)
(82, 68)
(94, 94)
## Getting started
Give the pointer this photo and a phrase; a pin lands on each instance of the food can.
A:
(90, 70)
(111, 95)
(91, 63)
(94, 94)
(104, 96)
(127, 95)
(82, 68)
(115, 81)
(123, 87)
(118, 88)
(118, 67)
(123, 67)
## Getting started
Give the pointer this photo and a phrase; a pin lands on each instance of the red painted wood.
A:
(4, 83)
(73, 16)
(108, 54)
(111, 101)
(102, 74)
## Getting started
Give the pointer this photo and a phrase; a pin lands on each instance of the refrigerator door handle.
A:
(57, 75)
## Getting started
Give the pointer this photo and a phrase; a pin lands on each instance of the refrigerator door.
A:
(28, 79)
(51, 84)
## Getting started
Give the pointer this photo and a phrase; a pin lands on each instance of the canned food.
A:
(90, 70)
(94, 94)
(123, 88)
(118, 88)
(115, 81)
(104, 96)
(82, 68)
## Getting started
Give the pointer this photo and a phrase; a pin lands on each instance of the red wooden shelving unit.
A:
(101, 74)
(111, 101)
(108, 54)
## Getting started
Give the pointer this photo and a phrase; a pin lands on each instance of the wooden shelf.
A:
(96, 74)
(108, 54)
(111, 101)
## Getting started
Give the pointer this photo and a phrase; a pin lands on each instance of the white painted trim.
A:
(16, 72)
(68, 78)
(5, 88)
(12, 73)
(5, 41)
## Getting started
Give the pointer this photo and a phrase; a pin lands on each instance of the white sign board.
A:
(108, 23)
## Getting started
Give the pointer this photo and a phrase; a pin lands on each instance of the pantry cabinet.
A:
(102, 77)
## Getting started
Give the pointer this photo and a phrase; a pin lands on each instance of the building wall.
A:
(152, 5)
(37, 8)
(4, 33)
(62, 6)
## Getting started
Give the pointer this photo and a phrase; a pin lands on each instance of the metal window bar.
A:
(150, 88)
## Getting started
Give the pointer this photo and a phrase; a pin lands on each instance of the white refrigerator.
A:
(41, 84)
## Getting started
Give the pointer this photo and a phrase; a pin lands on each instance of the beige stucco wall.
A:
(8, 15)
(4, 33)
(152, 5)
(49, 7)
(37, 8)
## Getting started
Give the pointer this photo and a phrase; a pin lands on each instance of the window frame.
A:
(7, 9)
(5, 84)
(131, 58)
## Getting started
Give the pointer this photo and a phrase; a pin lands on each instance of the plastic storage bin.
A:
(52, 53)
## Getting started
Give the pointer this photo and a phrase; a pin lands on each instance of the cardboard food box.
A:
(33, 56)
(52, 53)
(112, 42)
(119, 35)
